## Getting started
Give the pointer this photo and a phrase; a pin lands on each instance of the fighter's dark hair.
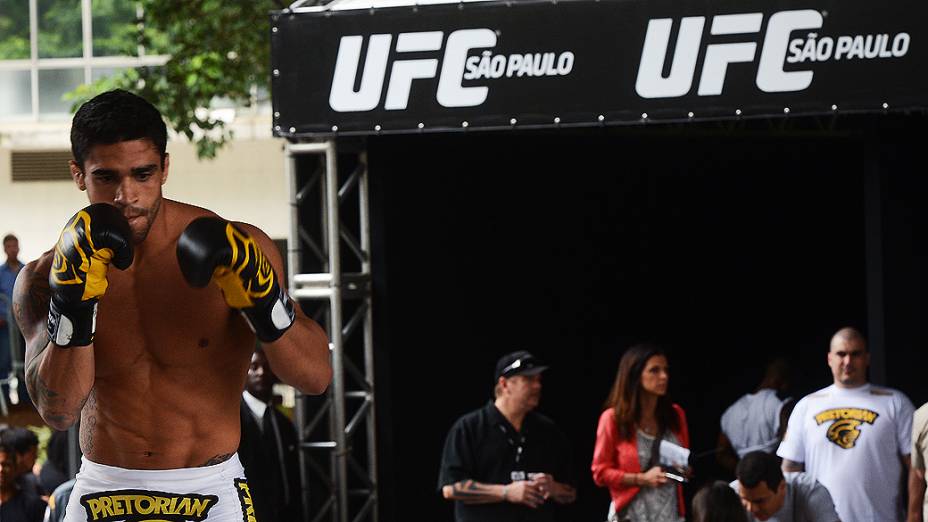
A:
(757, 467)
(625, 396)
(717, 502)
(116, 116)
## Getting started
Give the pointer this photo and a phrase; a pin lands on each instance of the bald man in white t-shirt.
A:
(853, 437)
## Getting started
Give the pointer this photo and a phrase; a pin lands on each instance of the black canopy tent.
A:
(781, 92)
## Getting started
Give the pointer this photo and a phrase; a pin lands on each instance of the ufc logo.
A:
(770, 74)
(344, 98)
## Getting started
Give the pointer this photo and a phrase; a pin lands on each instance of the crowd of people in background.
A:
(838, 454)
(841, 453)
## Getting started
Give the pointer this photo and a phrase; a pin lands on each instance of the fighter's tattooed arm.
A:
(31, 296)
(58, 380)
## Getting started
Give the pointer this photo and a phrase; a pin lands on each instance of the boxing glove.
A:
(212, 249)
(94, 238)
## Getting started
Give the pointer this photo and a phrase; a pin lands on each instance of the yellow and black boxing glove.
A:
(213, 249)
(94, 238)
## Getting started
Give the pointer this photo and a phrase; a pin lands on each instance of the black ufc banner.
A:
(585, 62)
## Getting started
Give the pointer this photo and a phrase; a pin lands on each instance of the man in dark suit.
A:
(269, 448)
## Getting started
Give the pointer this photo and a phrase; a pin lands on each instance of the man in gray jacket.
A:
(769, 495)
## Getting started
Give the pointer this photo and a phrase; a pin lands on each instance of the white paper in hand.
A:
(674, 455)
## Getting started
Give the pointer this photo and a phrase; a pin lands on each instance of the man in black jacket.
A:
(269, 448)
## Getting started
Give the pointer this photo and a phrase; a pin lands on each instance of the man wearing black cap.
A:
(506, 462)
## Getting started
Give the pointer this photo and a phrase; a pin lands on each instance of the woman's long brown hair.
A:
(625, 396)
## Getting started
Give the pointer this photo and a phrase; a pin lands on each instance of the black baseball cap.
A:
(518, 363)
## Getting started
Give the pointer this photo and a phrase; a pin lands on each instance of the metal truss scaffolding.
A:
(329, 201)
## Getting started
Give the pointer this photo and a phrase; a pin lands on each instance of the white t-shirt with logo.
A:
(852, 441)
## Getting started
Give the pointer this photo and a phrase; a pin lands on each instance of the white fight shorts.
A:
(216, 493)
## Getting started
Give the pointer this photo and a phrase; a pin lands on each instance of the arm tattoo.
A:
(471, 492)
(37, 389)
(31, 296)
(48, 400)
(218, 459)
(88, 426)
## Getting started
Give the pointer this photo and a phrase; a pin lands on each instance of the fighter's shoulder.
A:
(35, 270)
(31, 294)
(43, 262)
(254, 231)
(181, 214)
(184, 213)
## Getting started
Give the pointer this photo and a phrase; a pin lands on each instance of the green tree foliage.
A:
(219, 49)
(60, 29)
(115, 32)
(14, 30)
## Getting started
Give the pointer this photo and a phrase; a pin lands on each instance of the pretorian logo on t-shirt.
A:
(844, 431)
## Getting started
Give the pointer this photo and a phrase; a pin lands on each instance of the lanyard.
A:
(512, 442)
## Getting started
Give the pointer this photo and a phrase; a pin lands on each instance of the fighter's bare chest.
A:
(149, 311)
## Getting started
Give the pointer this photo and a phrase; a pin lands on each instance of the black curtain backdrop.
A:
(728, 247)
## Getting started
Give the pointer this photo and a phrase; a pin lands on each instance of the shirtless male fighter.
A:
(125, 331)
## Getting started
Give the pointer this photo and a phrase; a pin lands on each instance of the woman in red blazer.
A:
(637, 410)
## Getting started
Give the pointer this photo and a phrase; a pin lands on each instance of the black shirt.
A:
(483, 446)
(26, 506)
